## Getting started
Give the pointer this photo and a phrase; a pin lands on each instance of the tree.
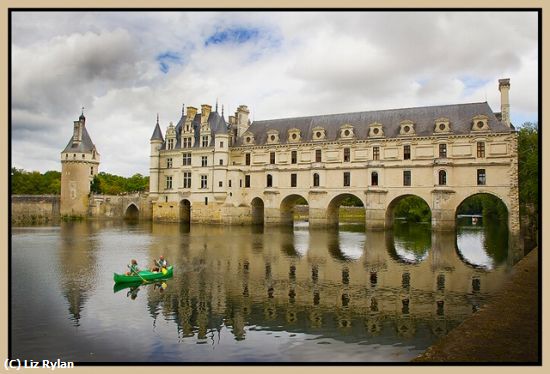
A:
(528, 153)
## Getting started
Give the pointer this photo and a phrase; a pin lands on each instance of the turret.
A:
(154, 164)
(79, 166)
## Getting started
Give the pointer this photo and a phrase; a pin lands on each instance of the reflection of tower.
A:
(77, 261)
(79, 165)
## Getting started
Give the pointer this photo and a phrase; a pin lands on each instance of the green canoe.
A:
(144, 275)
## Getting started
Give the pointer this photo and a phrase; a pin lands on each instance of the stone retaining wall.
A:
(33, 209)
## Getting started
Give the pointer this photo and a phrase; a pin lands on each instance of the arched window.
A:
(269, 180)
(374, 178)
(315, 180)
(442, 177)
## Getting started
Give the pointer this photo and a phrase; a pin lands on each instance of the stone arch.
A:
(494, 195)
(475, 246)
(334, 206)
(131, 212)
(185, 211)
(257, 211)
(391, 207)
(287, 207)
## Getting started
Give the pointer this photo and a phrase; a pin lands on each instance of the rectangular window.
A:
(221, 162)
(92, 170)
(406, 152)
(170, 144)
(240, 183)
(187, 142)
(272, 158)
(186, 159)
(480, 149)
(168, 182)
(346, 155)
(347, 179)
(293, 180)
(186, 179)
(204, 181)
(206, 201)
(220, 183)
(221, 144)
(169, 163)
(406, 178)
(443, 150)
(247, 181)
(247, 158)
(205, 140)
(318, 155)
(374, 178)
(376, 153)
(230, 183)
(294, 157)
(481, 177)
(204, 161)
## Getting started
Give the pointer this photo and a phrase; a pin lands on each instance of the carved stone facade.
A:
(237, 172)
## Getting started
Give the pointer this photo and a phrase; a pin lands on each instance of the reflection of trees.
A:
(415, 239)
(496, 241)
(77, 259)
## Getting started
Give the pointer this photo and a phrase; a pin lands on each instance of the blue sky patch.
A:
(237, 35)
(167, 59)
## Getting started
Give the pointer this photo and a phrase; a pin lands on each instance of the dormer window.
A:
(294, 135)
(272, 137)
(186, 142)
(319, 133)
(347, 131)
(406, 128)
(480, 123)
(376, 130)
(248, 138)
(205, 141)
(170, 136)
(442, 125)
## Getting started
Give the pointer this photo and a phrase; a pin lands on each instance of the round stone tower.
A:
(79, 165)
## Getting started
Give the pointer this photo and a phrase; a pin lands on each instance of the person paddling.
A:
(133, 266)
(161, 264)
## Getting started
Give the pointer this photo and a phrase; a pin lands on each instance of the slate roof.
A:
(459, 115)
(84, 146)
(157, 133)
(217, 125)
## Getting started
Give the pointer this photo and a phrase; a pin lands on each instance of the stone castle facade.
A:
(207, 169)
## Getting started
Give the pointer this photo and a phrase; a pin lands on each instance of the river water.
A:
(247, 294)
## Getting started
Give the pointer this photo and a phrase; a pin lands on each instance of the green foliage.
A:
(351, 201)
(487, 205)
(109, 184)
(413, 209)
(34, 183)
(528, 152)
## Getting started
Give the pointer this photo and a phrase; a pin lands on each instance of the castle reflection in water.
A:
(347, 284)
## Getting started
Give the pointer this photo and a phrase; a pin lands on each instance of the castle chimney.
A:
(504, 88)
(242, 119)
(205, 112)
(77, 131)
(191, 113)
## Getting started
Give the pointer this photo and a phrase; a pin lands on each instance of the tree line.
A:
(49, 183)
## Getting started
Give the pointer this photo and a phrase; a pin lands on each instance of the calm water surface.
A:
(247, 294)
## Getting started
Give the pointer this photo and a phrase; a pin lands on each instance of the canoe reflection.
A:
(134, 287)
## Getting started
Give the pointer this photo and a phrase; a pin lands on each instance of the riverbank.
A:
(504, 330)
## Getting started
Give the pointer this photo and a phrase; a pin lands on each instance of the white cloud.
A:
(280, 64)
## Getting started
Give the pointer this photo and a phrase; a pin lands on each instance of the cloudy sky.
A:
(125, 67)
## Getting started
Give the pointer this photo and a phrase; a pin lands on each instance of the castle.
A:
(207, 169)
